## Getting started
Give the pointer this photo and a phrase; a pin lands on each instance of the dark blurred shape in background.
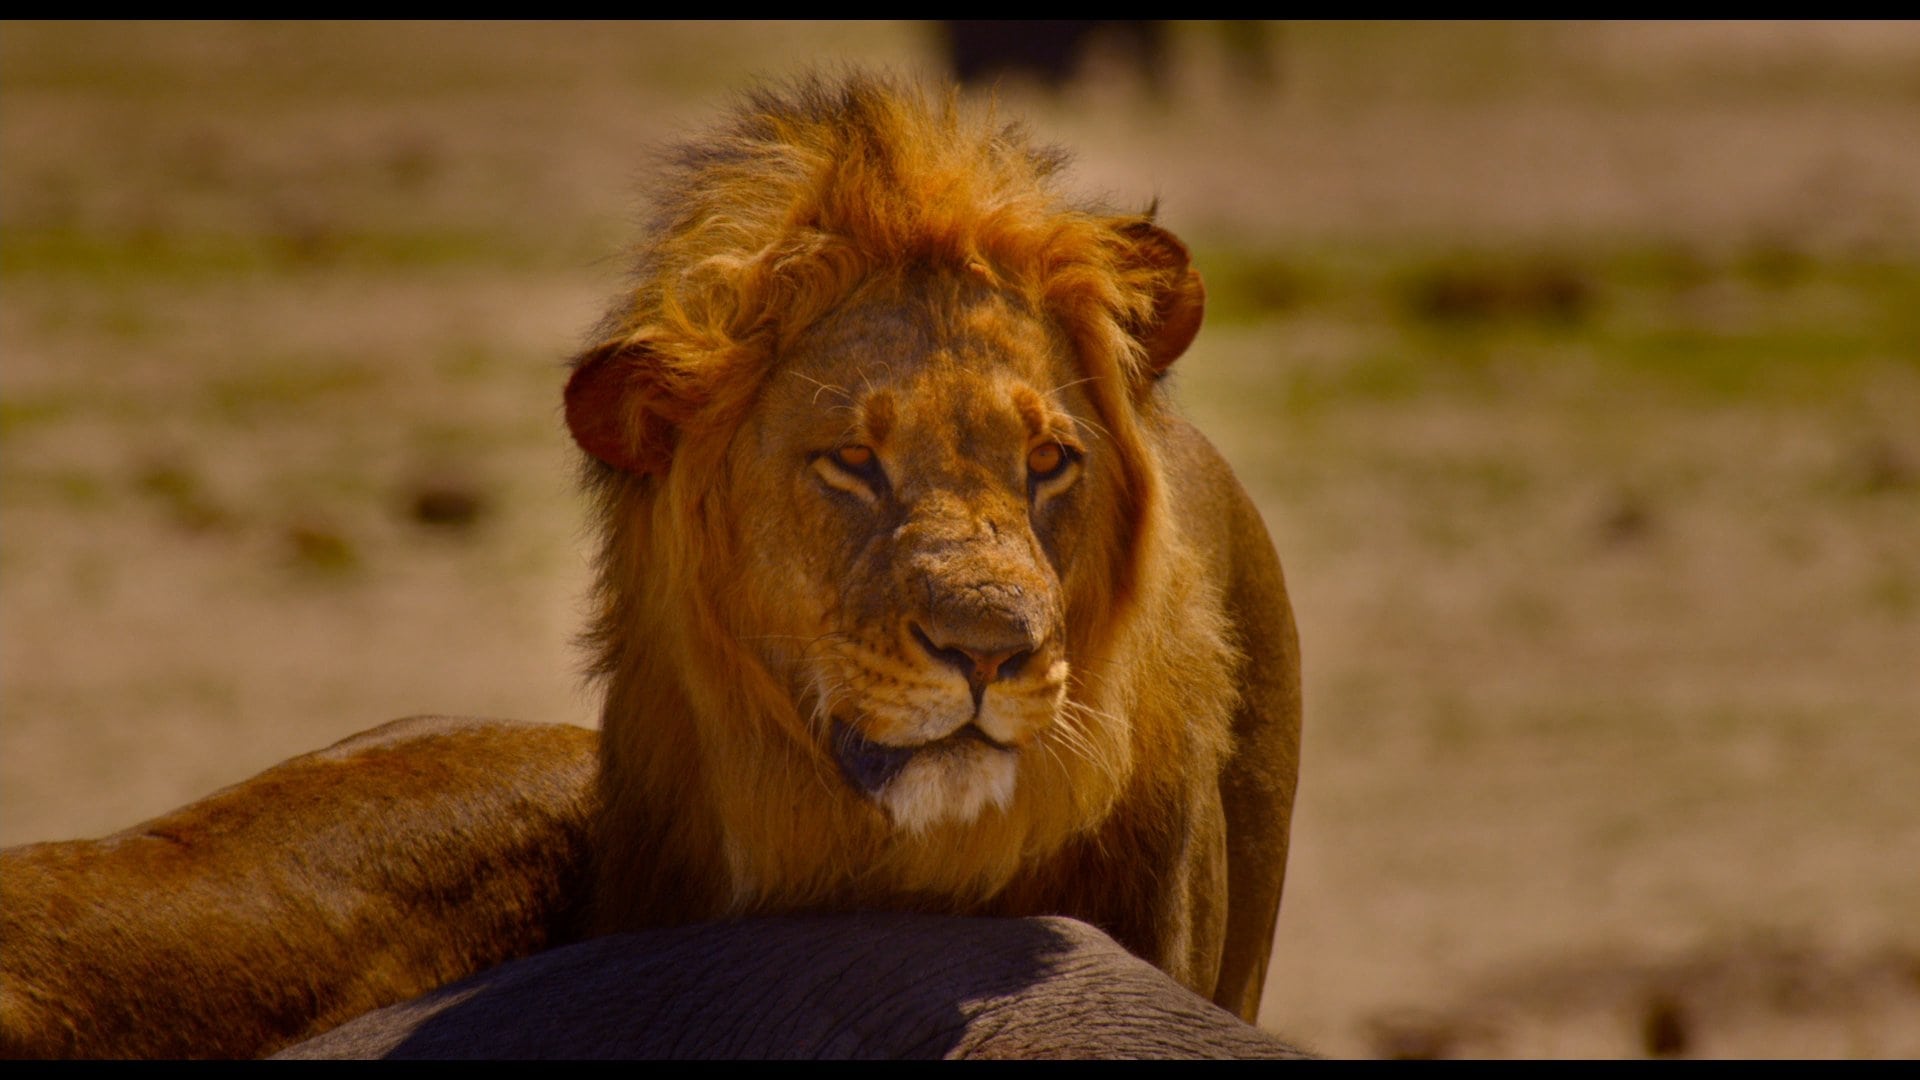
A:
(1049, 50)
(1053, 51)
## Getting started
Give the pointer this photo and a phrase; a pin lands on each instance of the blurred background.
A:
(1576, 369)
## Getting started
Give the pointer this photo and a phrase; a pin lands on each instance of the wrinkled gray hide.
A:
(847, 986)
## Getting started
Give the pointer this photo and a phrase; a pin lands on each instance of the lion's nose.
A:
(980, 665)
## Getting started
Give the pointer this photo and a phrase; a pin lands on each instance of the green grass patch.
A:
(275, 389)
(1247, 286)
(74, 489)
(210, 256)
(17, 415)
(1800, 363)
(1764, 323)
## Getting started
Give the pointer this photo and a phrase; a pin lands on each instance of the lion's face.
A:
(914, 482)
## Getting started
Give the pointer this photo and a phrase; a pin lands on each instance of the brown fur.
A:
(855, 264)
(341, 881)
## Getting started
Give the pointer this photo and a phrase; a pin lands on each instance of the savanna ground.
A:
(1575, 368)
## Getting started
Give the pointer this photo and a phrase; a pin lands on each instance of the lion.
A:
(913, 590)
(360, 876)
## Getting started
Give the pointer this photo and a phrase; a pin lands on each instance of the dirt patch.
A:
(1765, 998)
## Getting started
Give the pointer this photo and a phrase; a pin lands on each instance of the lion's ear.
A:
(611, 408)
(1179, 302)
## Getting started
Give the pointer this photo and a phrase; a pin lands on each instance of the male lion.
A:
(914, 592)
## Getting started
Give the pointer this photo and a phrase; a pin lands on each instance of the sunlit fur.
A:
(956, 788)
(346, 880)
(722, 795)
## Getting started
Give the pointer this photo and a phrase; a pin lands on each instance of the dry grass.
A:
(1574, 367)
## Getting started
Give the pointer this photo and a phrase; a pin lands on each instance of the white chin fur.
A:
(950, 787)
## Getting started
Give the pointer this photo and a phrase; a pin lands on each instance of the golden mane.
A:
(808, 188)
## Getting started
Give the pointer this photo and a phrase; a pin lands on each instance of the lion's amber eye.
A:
(1045, 460)
(854, 469)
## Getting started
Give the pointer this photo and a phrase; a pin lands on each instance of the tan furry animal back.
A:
(915, 591)
(362, 875)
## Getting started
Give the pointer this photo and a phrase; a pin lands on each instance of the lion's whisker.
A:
(1094, 426)
(821, 387)
(1055, 392)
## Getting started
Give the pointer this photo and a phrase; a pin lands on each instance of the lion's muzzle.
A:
(871, 766)
(980, 664)
(951, 778)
